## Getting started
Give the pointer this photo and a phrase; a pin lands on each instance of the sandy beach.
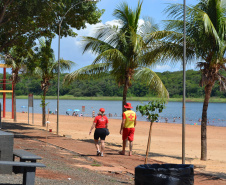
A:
(166, 141)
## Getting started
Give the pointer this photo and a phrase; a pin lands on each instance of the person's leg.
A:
(97, 145)
(124, 138)
(130, 138)
(130, 148)
(124, 147)
(102, 147)
(96, 138)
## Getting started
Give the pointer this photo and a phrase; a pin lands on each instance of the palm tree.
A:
(17, 58)
(121, 51)
(205, 35)
(47, 68)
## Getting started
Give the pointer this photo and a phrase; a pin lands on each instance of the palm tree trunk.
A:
(125, 90)
(14, 102)
(208, 90)
(44, 108)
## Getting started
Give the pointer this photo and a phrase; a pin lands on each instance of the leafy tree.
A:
(205, 35)
(151, 111)
(47, 68)
(16, 58)
(121, 52)
(22, 21)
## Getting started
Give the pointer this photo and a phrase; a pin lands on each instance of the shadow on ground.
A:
(13, 127)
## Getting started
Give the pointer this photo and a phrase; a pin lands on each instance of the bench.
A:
(28, 172)
(25, 155)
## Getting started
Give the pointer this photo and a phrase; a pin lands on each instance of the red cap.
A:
(128, 106)
(102, 110)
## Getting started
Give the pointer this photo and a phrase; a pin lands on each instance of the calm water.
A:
(216, 111)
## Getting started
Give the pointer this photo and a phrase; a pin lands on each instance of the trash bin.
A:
(164, 174)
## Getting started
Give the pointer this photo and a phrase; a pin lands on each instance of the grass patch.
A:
(96, 164)
(108, 98)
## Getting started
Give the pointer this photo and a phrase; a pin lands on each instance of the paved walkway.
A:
(112, 162)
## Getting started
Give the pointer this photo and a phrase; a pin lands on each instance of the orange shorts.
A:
(128, 133)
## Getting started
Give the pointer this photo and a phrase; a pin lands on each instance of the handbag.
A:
(107, 131)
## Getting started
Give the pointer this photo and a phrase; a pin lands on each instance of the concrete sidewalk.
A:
(112, 162)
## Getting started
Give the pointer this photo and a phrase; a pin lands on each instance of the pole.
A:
(184, 87)
(58, 78)
(58, 81)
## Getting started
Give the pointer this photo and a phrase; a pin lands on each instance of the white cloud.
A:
(160, 68)
(72, 48)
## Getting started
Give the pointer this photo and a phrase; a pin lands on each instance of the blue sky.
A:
(71, 48)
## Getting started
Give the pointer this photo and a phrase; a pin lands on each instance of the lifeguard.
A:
(128, 128)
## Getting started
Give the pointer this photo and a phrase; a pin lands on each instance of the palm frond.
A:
(111, 57)
(95, 45)
(154, 82)
(86, 72)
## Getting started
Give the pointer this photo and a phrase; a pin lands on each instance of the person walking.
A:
(101, 124)
(128, 128)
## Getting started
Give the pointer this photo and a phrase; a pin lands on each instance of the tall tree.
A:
(121, 51)
(205, 36)
(17, 58)
(47, 68)
(23, 21)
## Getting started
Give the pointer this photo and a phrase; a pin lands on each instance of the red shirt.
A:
(100, 121)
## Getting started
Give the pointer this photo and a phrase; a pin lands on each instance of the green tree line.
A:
(106, 86)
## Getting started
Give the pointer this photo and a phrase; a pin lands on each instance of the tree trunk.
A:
(148, 144)
(208, 90)
(125, 90)
(44, 108)
(14, 102)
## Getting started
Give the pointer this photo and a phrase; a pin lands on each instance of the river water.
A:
(216, 111)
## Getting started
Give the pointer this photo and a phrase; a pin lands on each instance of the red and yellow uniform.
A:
(129, 128)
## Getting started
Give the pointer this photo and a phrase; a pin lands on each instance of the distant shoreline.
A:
(212, 100)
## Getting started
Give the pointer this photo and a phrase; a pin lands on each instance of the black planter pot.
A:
(164, 174)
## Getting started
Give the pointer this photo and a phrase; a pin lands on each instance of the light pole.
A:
(58, 77)
(184, 87)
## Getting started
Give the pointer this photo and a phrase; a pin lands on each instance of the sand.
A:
(166, 140)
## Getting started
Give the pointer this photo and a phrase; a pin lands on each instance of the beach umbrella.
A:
(69, 109)
(23, 106)
(76, 110)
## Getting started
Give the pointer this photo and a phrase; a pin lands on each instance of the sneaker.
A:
(102, 155)
(98, 153)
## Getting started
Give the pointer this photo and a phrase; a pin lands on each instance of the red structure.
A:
(5, 81)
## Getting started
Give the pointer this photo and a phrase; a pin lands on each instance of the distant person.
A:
(76, 114)
(174, 119)
(56, 111)
(128, 128)
(100, 123)
(166, 119)
(73, 114)
(67, 113)
(81, 115)
(93, 114)
(199, 120)
(115, 115)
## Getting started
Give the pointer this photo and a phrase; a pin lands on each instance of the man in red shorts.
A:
(128, 128)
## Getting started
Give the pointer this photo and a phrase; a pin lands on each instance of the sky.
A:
(71, 48)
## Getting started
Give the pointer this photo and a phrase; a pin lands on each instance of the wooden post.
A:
(149, 143)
